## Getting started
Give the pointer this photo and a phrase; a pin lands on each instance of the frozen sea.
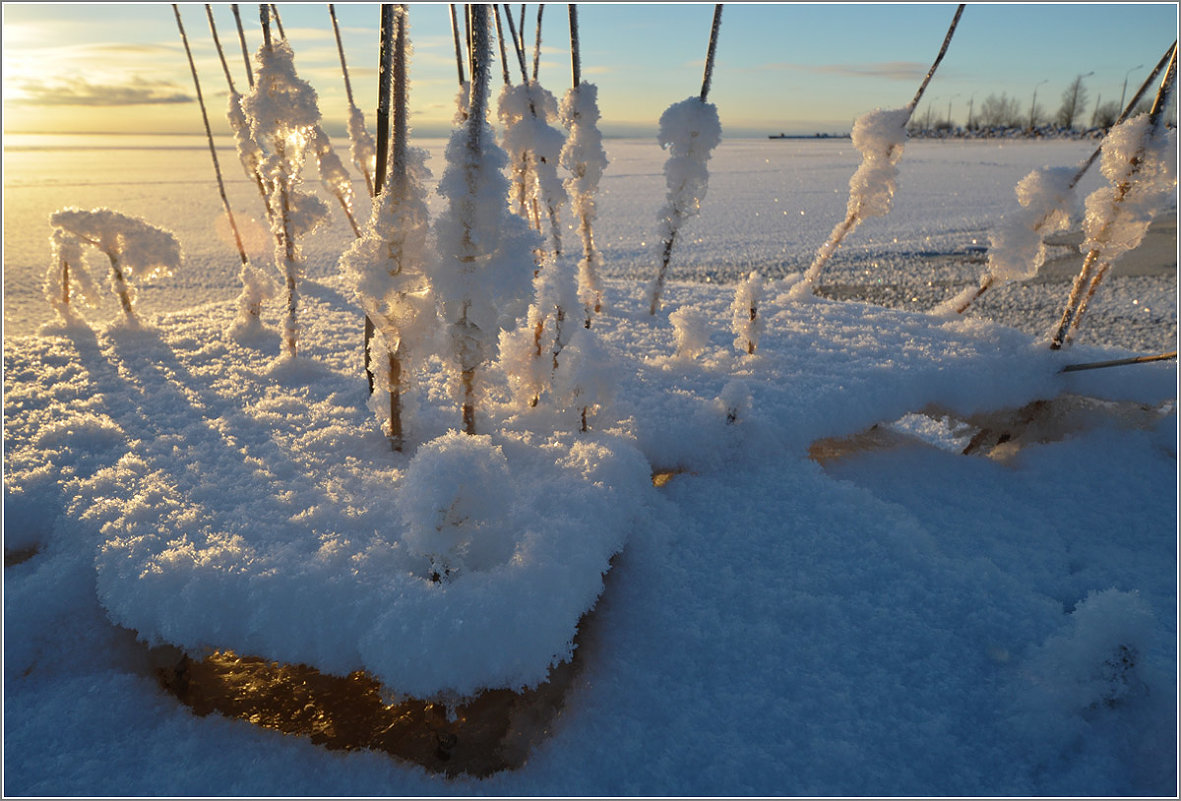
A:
(827, 597)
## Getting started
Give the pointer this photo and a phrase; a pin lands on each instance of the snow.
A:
(902, 620)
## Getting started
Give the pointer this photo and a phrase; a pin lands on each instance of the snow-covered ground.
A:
(807, 607)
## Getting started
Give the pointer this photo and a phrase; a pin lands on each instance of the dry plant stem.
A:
(254, 309)
(385, 69)
(1160, 357)
(398, 180)
(955, 20)
(475, 123)
(1092, 285)
(458, 48)
(713, 46)
(274, 9)
(988, 281)
(537, 45)
(65, 265)
(500, 39)
(575, 56)
(348, 87)
(121, 286)
(242, 42)
(1089, 275)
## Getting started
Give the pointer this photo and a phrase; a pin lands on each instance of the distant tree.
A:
(1074, 102)
(1002, 112)
(1106, 114)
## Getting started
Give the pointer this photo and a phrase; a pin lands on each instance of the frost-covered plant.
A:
(387, 266)
(586, 380)
(531, 354)
(691, 329)
(1017, 247)
(1098, 660)
(689, 131)
(744, 313)
(584, 157)
(879, 136)
(455, 506)
(735, 401)
(534, 148)
(1140, 162)
(485, 265)
(67, 278)
(283, 115)
(334, 176)
(135, 248)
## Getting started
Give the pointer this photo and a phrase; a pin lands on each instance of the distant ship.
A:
(813, 136)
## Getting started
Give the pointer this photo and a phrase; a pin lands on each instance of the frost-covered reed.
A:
(745, 321)
(585, 160)
(485, 252)
(689, 131)
(880, 137)
(1140, 163)
(388, 264)
(283, 116)
(134, 248)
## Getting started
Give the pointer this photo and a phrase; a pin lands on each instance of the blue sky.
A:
(798, 68)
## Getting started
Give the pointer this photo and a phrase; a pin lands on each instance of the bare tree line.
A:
(1074, 112)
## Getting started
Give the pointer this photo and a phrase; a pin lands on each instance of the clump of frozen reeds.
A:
(334, 176)
(283, 114)
(689, 131)
(134, 248)
(387, 265)
(583, 156)
(879, 136)
(534, 147)
(1047, 199)
(485, 265)
(744, 313)
(1140, 162)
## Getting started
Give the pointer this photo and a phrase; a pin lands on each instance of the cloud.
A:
(81, 92)
(890, 70)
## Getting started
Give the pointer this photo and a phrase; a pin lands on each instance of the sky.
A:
(781, 67)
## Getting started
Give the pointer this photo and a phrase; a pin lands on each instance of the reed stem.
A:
(242, 42)
(709, 56)
(253, 308)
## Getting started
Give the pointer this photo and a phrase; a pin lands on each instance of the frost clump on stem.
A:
(1141, 166)
(745, 320)
(584, 157)
(689, 131)
(283, 114)
(880, 137)
(135, 248)
(67, 278)
(534, 148)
